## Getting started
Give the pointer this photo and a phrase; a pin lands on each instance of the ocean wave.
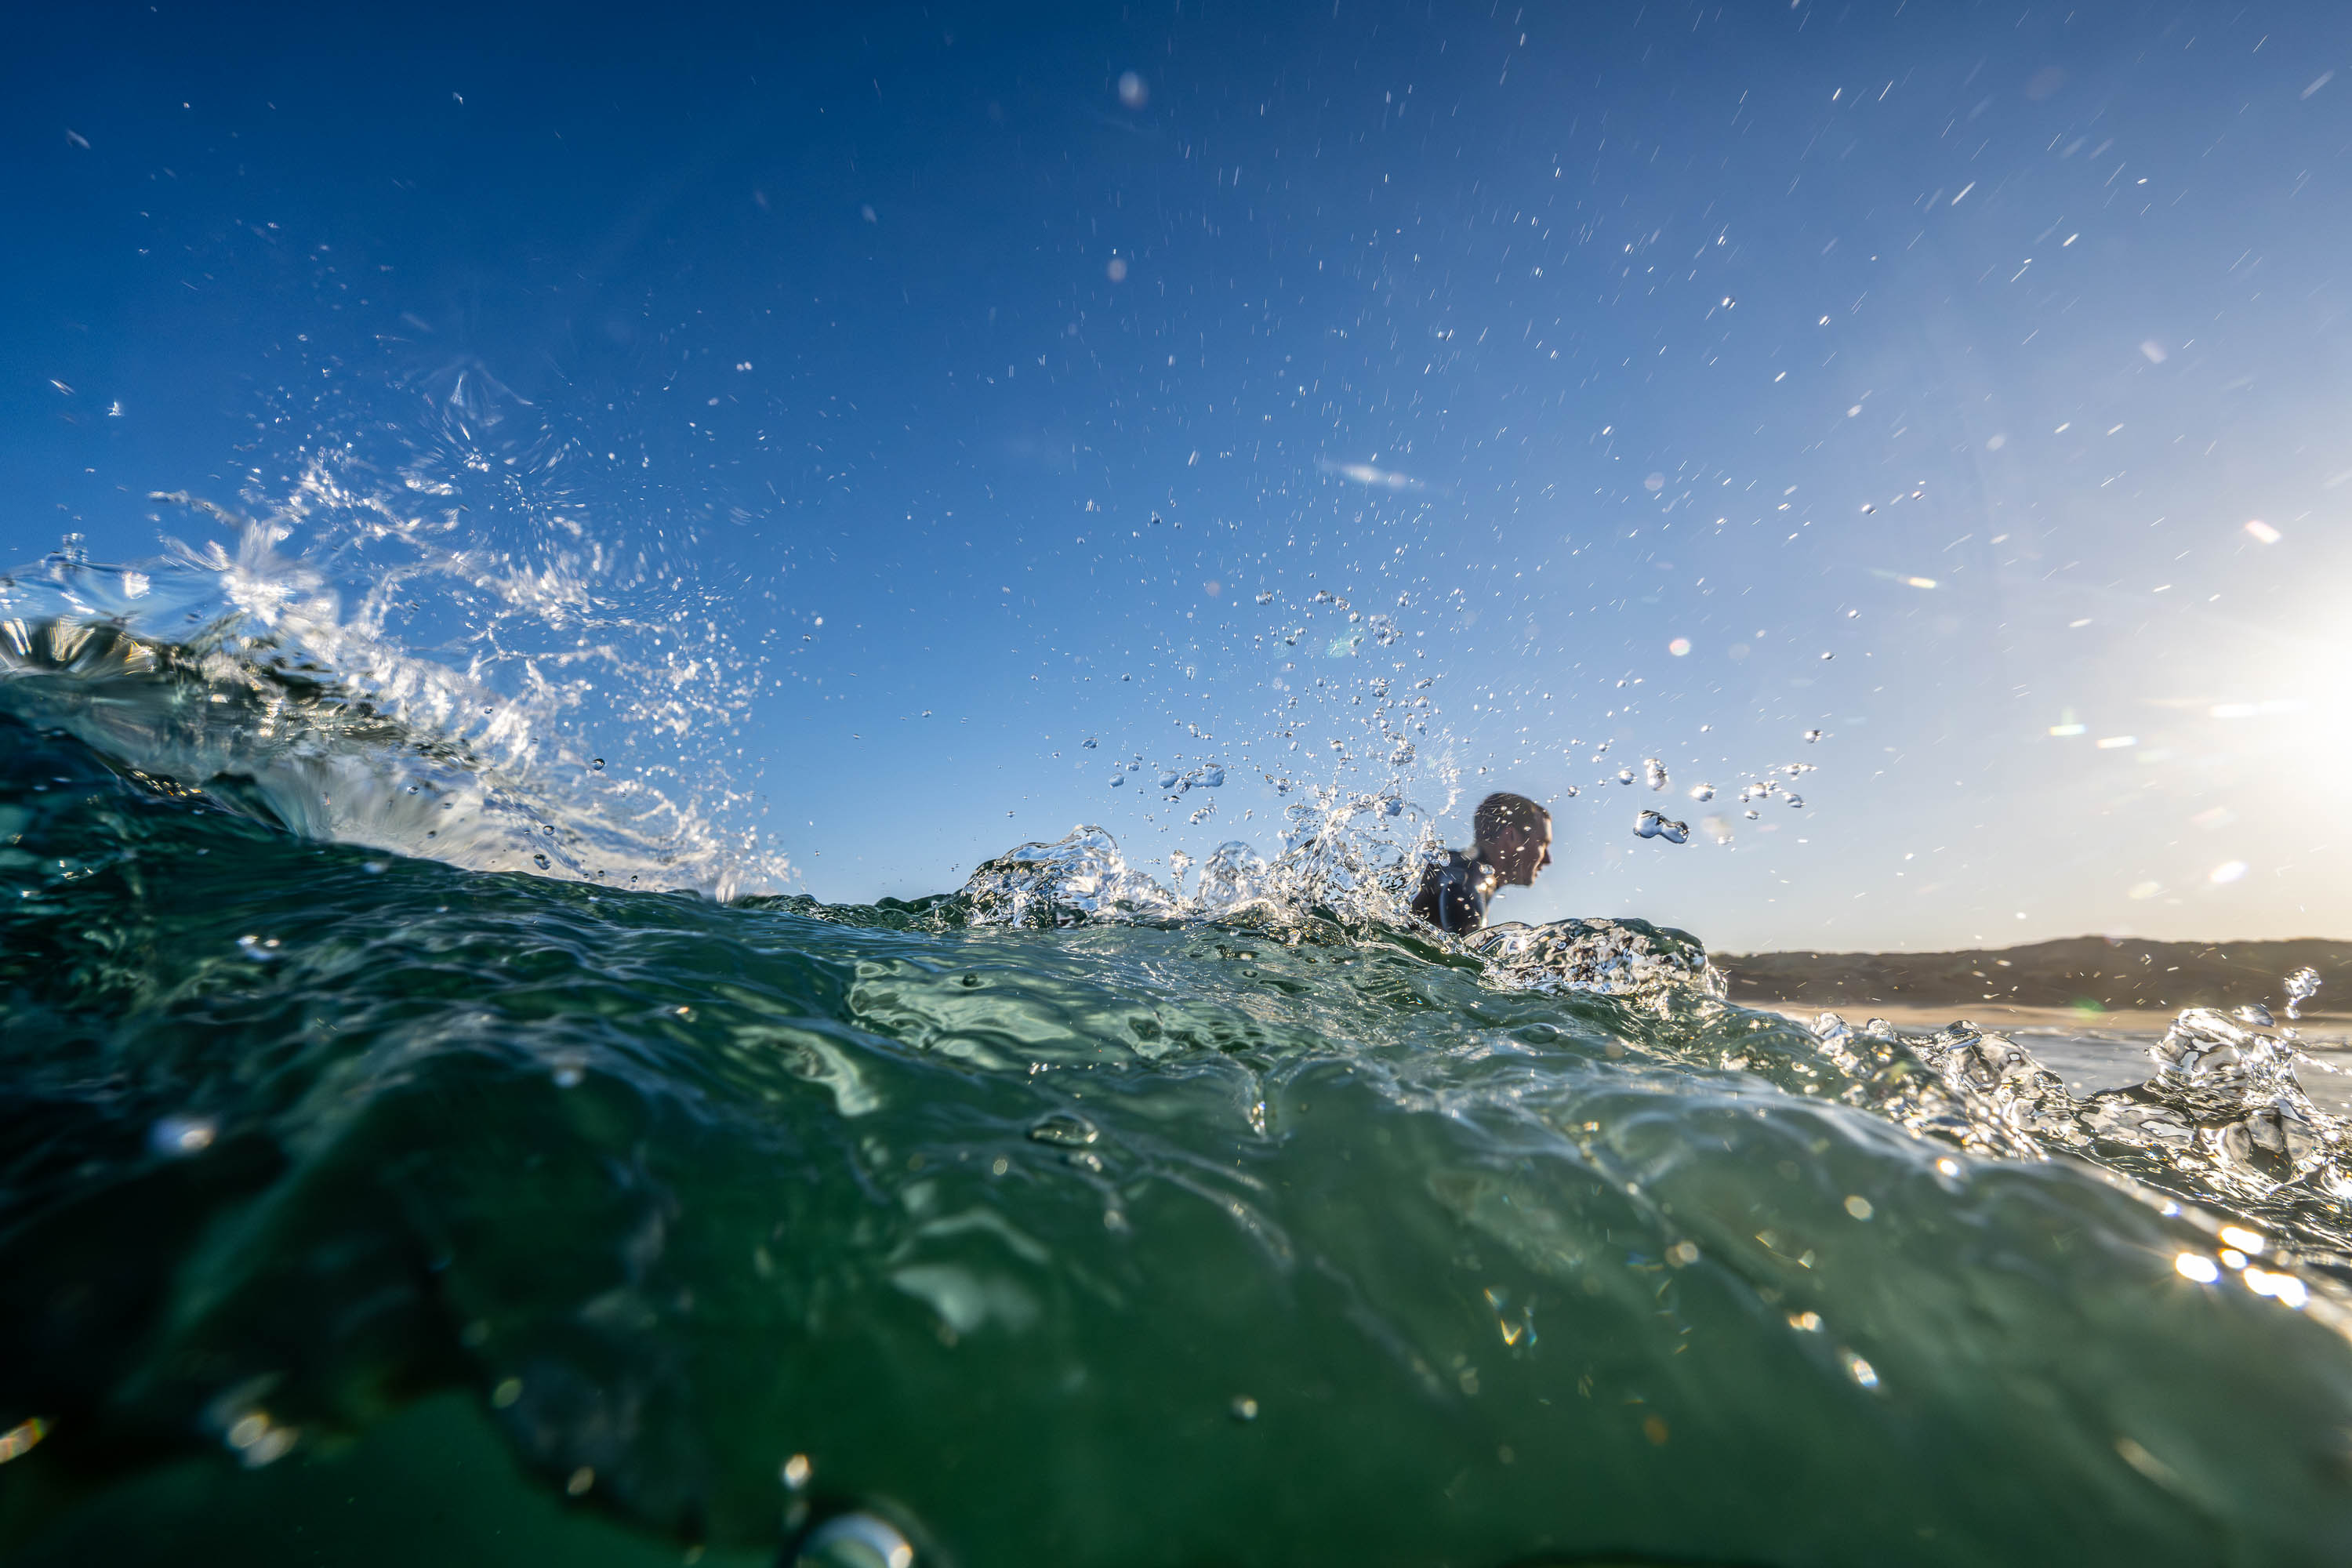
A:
(1260, 1223)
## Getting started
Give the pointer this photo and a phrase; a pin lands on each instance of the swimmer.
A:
(1514, 843)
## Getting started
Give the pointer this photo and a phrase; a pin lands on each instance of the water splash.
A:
(254, 675)
(2301, 987)
(2224, 1120)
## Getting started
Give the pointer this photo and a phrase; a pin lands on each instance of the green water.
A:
(361, 1209)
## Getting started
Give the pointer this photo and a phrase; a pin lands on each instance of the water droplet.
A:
(1812, 735)
(540, 861)
(2301, 987)
(596, 764)
(854, 1540)
(1651, 824)
(1244, 1408)
(1796, 800)
(1653, 773)
(1859, 1206)
(1702, 791)
(1624, 776)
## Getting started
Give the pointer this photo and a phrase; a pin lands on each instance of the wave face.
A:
(1068, 1216)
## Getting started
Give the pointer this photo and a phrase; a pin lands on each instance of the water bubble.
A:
(1702, 791)
(596, 764)
(540, 861)
(1653, 773)
(177, 1136)
(858, 1540)
(549, 829)
(2301, 987)
(1065, 1131)
(1244, 1408)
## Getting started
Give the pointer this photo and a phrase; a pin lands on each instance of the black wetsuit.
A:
(1453, 893)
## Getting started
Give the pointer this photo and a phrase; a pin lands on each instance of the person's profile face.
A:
(1522, 854)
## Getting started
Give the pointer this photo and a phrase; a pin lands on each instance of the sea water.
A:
(422, 1142)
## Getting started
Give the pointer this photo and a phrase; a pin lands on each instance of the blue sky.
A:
(1959, 344)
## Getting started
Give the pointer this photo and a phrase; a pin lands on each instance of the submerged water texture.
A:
(1066, 1218)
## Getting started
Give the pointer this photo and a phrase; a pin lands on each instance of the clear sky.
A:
(950, 383)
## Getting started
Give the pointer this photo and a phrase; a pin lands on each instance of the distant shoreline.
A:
(2088, 976)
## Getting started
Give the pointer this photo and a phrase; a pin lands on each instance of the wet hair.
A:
(1499, 813)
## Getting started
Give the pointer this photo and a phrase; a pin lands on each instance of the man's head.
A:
(1514, 837)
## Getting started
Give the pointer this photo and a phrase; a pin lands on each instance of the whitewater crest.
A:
(1345, 861)
(2224, 1119)
(248, 675)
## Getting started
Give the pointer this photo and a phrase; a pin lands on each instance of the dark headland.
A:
(2108, 974)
